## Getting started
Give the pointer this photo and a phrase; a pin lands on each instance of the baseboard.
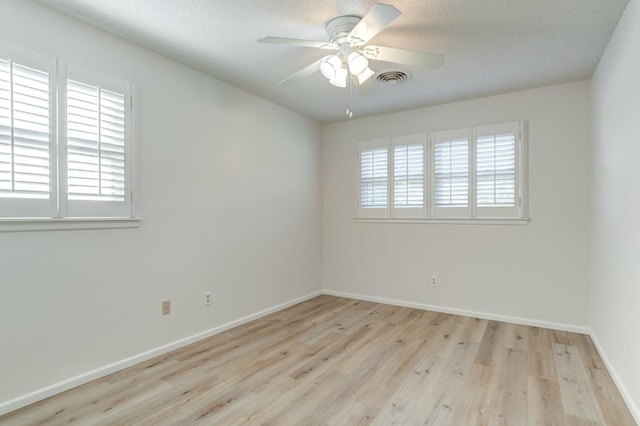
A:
(474, 314)
(46, 392)
(635, 412)
(633, 408)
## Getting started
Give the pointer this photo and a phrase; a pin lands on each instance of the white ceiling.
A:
(490, 46)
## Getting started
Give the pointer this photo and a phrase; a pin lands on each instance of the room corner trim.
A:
(465, 313)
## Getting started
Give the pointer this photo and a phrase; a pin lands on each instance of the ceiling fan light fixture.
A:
(330, 66)
(357, 63)
(340, 79)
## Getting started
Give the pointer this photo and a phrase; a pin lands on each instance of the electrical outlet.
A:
(166, 307)
(207, 297)
(434, 281)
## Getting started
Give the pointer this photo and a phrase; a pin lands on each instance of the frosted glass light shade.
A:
(340, 80)
(357, 63)
(329, 67)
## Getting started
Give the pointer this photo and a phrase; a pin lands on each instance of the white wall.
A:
(230, 195)
(222, 218)
(615, 287)
(536, 272)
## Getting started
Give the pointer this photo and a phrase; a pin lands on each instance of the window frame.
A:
(472, 214)
(70, 208)
(59, 215)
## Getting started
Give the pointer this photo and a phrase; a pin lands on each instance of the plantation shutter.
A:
(497, 151)
(408, 176)
(25, 135)
(374, 176)
(97, 151)
(95, 143)
(450, 188)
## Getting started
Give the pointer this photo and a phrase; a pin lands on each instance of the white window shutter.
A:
(497, 170)
(26, 126)
(450, 176)
(96, 181)
(374, 178)
(95, 143)
(408, 176)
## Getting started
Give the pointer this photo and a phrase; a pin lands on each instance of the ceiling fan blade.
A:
(366, 87)
(404, 56)
(298, 42)
(302, 74)
(378, 18)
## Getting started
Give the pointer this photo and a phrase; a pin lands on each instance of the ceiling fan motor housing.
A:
(339, 28)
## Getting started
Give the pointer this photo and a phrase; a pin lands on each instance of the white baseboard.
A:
(635, 412)
(46, 392)
(40, 394)
(474, 314)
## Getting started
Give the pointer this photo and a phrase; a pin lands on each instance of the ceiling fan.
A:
(348, 36)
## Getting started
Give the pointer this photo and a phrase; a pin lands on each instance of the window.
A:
(95, 143)
(65, 140)
(374, 177)
(473, 173)
(496, 170)
(450, 173)
(24, 131)
(408, 176)
(27, 116)
(96, 181)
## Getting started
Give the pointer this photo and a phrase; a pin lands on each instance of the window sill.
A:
(50, 224)
(446, 221)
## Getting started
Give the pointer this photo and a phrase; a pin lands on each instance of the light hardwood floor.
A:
(345, 362)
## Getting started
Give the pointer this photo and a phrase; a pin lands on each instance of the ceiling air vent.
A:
(392, 77)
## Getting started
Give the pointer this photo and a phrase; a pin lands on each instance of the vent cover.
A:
(392, 77)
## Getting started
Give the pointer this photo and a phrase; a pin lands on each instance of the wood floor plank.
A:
(399, 408)
(340, 395)
(474, 329)
(491, 351)
(339, 361)
(613, 407)
(517, 337)
(262, 404)
(545, 402)
(477, 397)
(541, 362)
(430, 394)
(578, 397)
(577, 421)
(511, 407)
(588, 351)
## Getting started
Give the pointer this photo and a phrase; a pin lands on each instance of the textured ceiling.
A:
(490, 46)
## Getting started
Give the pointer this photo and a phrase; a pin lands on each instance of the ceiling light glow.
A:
(357, 63)
(330, 65)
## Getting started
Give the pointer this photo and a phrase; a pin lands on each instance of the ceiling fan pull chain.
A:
(349, 113)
